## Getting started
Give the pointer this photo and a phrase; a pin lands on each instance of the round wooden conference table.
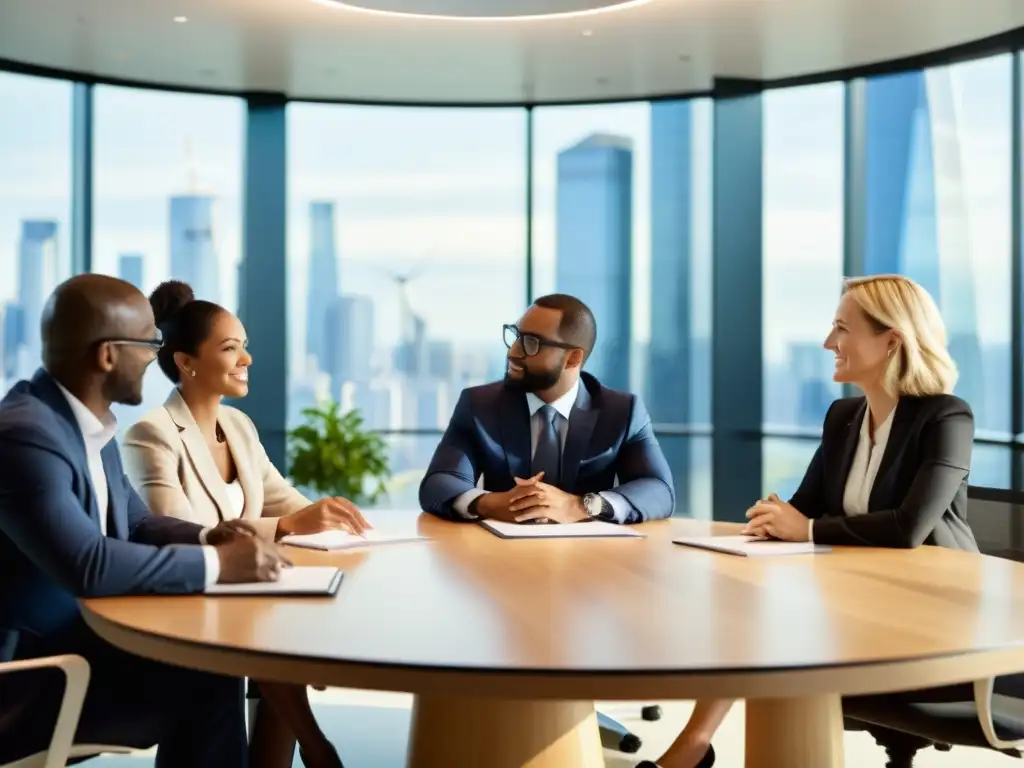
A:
(506, 643)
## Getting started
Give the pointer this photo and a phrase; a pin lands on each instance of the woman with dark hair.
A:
(198, 460)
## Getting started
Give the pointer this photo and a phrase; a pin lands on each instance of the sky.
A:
(441, 192)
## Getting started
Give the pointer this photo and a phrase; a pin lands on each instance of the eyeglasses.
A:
(153, 344)
(531, 342)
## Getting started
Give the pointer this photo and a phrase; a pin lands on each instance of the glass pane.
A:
(938, 210)
(409, 457)
(167, 198)
(35, 211)
(803, 251)
(622, 219)
(689, 458)
(407, 252)
(990, 466)
(785, 462)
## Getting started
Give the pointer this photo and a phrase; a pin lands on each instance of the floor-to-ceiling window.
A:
(803, 265)
(937, 208)
(621, 219)
(407, 254)
(35, 212)
(167, 184)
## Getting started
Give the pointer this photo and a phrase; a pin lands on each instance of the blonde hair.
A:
(922, 364)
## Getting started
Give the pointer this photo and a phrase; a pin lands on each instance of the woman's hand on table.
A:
(331, 513)
(776, 519)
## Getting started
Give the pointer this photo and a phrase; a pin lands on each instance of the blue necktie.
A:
(548, 456)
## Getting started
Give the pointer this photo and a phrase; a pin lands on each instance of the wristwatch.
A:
(597, 507)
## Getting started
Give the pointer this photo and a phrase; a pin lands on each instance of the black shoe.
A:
(705, 762)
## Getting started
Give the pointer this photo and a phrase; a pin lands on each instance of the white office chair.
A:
(61, 749)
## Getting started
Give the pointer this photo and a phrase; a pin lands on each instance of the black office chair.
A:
(991, 720)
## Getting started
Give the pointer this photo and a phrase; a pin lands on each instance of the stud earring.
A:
(193, 373)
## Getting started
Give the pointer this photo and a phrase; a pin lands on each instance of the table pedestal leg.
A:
(795, 733)
(458, 732)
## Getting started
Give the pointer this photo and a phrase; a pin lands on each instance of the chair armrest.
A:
(983, 691)
(76, 674)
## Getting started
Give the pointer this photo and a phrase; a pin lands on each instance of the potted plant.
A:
(333, 455)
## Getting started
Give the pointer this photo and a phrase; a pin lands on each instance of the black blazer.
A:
(920, 492)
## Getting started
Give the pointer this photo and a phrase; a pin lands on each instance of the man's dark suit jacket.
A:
(920, 492)
(51, 548)
(610, 437)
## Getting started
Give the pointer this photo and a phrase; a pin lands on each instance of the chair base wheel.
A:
(630, 743)
(651, 713)
(939, 747)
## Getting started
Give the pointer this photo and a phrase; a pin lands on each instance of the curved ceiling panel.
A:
(306, 50)
(486, 9)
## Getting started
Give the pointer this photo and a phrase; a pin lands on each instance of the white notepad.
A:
(334, 540)
(298, 580)
(750, 546)
(594, 529)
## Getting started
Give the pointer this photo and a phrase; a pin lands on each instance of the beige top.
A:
(170, 465)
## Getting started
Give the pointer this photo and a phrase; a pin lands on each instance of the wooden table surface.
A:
(468, 614)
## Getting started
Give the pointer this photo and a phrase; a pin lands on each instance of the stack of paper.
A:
(334, 540)
(751, 546)
(594, 529)
(299, 580)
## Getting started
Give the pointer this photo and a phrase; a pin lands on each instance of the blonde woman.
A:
(891, 470)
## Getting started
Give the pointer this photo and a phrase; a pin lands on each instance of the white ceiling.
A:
(314, 50)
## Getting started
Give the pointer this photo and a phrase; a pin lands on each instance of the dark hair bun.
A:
(168, 300)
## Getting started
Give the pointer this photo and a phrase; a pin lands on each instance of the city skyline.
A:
(428, 213)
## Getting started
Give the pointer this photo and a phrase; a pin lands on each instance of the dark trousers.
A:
(196, 719)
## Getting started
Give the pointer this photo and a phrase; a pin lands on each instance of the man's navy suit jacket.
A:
(52, 550)
(610, 438)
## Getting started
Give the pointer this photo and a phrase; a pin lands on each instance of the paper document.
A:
(594, 529)
(298, 580)
(750, 546)
(334, 540)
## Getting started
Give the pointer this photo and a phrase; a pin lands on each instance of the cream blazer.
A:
(170, 465)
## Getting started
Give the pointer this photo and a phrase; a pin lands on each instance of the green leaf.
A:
(332, 454)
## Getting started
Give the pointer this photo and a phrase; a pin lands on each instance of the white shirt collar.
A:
(563, 404)
(96, 432)
(881, 431)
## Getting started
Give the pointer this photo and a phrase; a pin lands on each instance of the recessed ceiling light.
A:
(180, 19)
(588, 32)
(491, 10)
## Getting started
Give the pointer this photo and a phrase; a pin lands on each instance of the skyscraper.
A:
(37, 277)
(13, 335)
(129, 268)
(323, 280)
(810, 368)
(193, 256)
(594, 223)
(349, 334)
(917, 220)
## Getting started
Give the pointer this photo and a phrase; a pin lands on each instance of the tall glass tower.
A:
(594, 240)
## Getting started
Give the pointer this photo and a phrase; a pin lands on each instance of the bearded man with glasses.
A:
(72, 526)
(550, 443)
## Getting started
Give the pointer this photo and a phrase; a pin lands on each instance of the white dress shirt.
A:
(563, 407)
(236, 500)
(96, 433)
(864, 468)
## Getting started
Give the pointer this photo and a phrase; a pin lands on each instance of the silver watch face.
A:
(593, 503)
